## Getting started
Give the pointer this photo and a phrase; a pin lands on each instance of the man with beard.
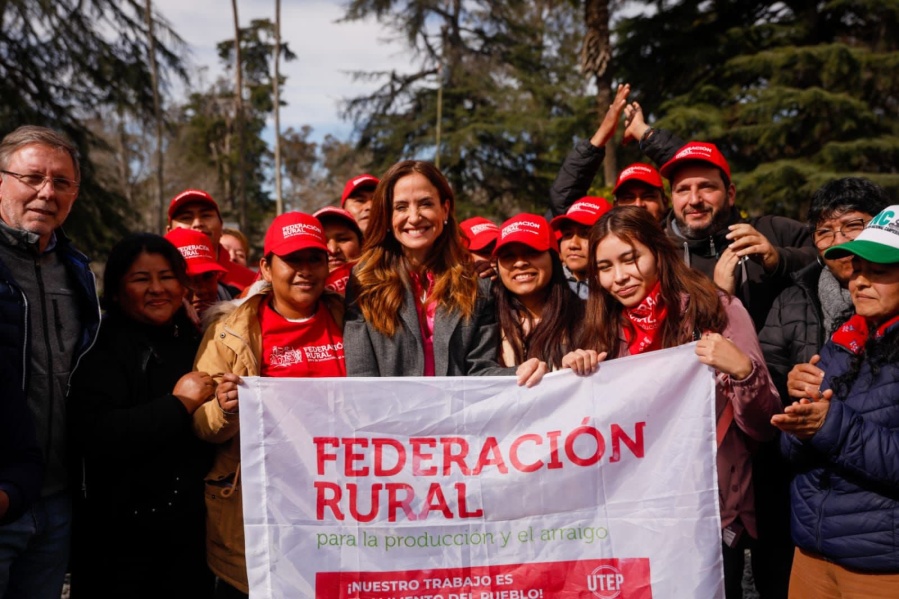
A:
(751, 258)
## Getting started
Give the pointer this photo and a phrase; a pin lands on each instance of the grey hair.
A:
(32, 134)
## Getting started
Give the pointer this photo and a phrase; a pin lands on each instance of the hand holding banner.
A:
(475, 488)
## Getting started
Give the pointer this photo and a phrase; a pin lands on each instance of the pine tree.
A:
(66, 63)
(795, 93)
(513, 98)
(210, 125)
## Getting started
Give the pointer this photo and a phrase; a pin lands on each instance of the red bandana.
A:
(647, 318)
(854, 333)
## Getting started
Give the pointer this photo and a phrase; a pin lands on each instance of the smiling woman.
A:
(130, 407)
(289, 326)
(842, 435)
(415, 306)
(644, 298)
(538, 312)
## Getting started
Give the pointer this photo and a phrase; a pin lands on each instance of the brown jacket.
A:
(232, 344)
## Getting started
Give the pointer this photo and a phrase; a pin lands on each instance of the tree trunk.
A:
(157, 116)
(596, 55)
(240, 174)
(279, 202)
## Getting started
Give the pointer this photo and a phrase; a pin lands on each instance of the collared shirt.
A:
(581, 288)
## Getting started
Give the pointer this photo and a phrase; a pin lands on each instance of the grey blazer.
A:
(461, 347)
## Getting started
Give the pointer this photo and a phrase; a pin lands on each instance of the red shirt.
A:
(310, 348)
(237, 275)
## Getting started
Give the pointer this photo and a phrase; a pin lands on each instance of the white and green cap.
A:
(878, 243)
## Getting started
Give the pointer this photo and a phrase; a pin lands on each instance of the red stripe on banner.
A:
(602, 578)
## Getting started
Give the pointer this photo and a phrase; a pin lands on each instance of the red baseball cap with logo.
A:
(335, 213)
(644, 173)
(294, 231)
(530, 229)
(357, 182)
(191, 196)
(586, 211)
(479, 233)
(696, 151)
(196, 248)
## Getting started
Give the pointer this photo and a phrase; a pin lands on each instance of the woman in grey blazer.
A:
(415, 306)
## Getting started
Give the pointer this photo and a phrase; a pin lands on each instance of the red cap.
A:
(696, 151)
(479, 233)
(196, 248)
(586, 211)
(355, 183)
(191, 196)
(333, 212)
(529, 229)
(638, 171)
(294, 231)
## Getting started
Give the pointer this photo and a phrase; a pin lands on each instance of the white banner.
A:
(475, 488)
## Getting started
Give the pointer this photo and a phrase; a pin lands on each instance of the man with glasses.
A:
(804, 316)
(801, 319)
(49, 316)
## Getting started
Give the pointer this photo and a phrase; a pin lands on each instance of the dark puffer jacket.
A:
(845, 495)
(794, 330)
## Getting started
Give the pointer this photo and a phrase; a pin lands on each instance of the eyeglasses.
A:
(824, 238)
(36, 182)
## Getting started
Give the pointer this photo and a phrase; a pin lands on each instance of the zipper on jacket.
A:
(96, 333)
(818, 542)
(49, 350)
(25, 338)
(57, 324)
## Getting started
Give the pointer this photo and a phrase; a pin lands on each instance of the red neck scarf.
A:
(854, 333)
(647, 318)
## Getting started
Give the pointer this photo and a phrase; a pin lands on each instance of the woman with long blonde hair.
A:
(415, 306)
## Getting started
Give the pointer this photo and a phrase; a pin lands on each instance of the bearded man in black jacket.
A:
(752, 258)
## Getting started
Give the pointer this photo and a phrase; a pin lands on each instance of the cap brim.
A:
(174, 207)
(586, 220)
(202, 269)
(669, 168)
(871, 251)
(338, 217)
(480, 245)
(647, 180)
(288, 247)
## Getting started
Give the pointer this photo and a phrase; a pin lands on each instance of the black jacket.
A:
(21, 466)
(755, 288)
(794, 330)
(575, 177)
(142, 466)
(21, 457)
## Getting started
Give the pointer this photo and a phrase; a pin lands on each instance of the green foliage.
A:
(513, 99)
(209, 126)
(795, 93)
(65, 62)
